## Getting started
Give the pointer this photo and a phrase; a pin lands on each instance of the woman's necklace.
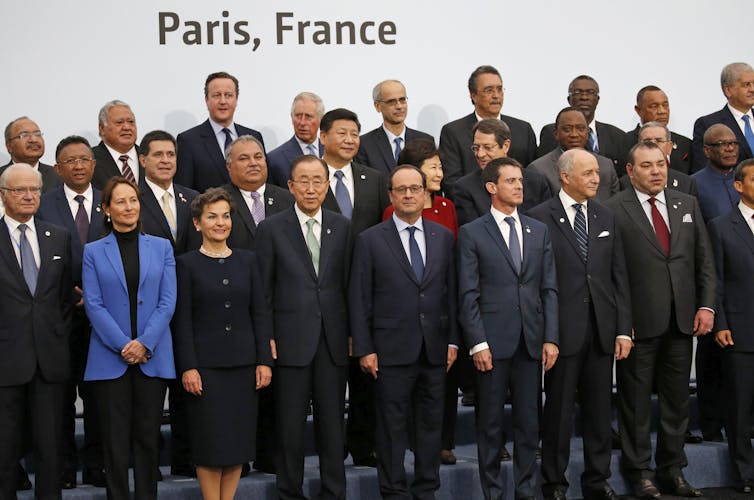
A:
(216, 255)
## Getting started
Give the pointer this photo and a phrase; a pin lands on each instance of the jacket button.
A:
(227, 305)
(228, 328)
(226, 281)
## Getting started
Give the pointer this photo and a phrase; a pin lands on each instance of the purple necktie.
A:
(82, 219)
(257, 207)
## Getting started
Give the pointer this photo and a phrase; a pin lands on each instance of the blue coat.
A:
(107, 306)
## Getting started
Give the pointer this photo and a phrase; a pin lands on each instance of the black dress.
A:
(222, 330)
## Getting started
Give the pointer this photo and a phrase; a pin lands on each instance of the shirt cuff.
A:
(708, 309)
(479, 347)
(627, 337)
(453, 346)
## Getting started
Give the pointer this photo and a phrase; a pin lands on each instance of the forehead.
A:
(584, 84)
(487, 80)
(123, 190)
(22, 178)
(221, 85)
(161, 146)
(584, 161)
(482, 138)
(24, 125)
(643, 155)
(218, 207)
(509, 172)
(305, 106)
(745, 77)
(572, 118)
(119, 112)
(310, 168)
(407, 176)
(653, 96)
(248, 147)
(75, 149)
(391, 88)
(652, 132)
(722, 134)
(338, 125)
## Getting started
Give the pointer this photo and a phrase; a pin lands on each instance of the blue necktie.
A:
(342, 196)
(579, 227)
(311, 150)
(417, 264)
(748, 133)
(513, 244)
(592, 143)
(228, 140)
(28, 264)
(398, 148)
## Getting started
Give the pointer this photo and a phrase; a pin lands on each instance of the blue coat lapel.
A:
(113, 255)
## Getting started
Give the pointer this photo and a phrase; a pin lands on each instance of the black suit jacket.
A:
(456, 140)
(548, 167)
(370, 198)
(106, 167)
(244, 232)
(677, 181)
(50, 178)
(201, 163)
(724, 116)
(36, 327)
(472, 200)
(601, 281)
(301, 300)
(279, 161)
(610, 140)
(376, 151)
(680, 157)
(685, 280)
(153, 219)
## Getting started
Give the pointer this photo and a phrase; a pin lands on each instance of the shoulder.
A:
(330, 217)
(436, 227)
(540, 211)
(372, 135)
(417, 134)
(271, 190)
(532, 223)
(605, 163)
(610, 129)
(195, 131)
(514, 122)
(284, 148)
(49, 230)
(158, 243)
(241, 130)
(189, 193)
(364, 172)
(460, 124)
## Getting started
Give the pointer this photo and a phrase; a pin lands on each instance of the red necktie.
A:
(127, 172)
(661, 229)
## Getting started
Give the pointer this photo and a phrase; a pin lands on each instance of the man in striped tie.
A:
(117, 153)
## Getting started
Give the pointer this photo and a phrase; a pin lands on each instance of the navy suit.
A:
(376, 151)
(153, 219)
(50, 178)
(610, 140)
(724, 116)
(279, 161)
(201, 162)
(515, 313)
(107, 168)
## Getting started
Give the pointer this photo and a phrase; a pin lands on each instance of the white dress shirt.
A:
(249, 200)
(31, 237)
(568, 202)
(133, 160)
(660, 203)
(220, 135)
(88, 195)
(303, 219)
(738, 116)
(347, 179)
(405, 234)
(747, 212)
(158, 192)
(303, 146)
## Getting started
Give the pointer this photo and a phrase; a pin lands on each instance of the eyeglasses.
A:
(487, 148)
(658, 141)
(25, 135)
(393, 102)
(71, 162)
(414, 188)
(587, 92)
(723, 144)
(316, 183)
(19, 192)
(488, 91)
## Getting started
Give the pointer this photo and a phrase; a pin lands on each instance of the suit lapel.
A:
(634, 209)
(61, 204)
(561, 221)
(730, 121)
(494, 231)
(676, 211)
(296, 237)
(95, 218)
(327, 240)
(383, 144)
(431, 240)
(152, 206)
(394, 243)
(9, 255)
(113, 255)
(212, 147)
(243, 210)
(45, 252)
(183, 214)
(145, 257)
(741, 227)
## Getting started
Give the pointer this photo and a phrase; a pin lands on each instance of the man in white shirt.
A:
(117, 153)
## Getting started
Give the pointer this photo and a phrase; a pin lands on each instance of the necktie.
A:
(257, 207)
(748, 133)
(661, 229)
(513, 245)
(311, 150)
(592, 142)
(168, 211)
(312, 244)
(417, 264)
(579, 227)
(228, 140)
(342, 196)
(398, 148)
(82, 220)
(28, 265)
(125, 169)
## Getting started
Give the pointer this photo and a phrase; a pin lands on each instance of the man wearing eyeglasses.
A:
(25, 144)
(380, 148)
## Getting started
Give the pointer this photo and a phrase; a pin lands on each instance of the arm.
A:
(360, 299)
(185, 354)
(159, 321)
(184, 174)
(723, 335)
(261, 316)
(549, 296)
(706, 279)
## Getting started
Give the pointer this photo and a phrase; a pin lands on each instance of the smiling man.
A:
(117, 153)
(25, 144)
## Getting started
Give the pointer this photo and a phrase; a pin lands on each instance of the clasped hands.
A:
(134, 352)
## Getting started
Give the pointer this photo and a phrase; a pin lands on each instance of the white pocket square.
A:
(687, 218)
(56, 257)
(603, 234)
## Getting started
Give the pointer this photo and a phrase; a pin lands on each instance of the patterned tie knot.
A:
(23, 228)
(79, 198)
(123, 159)
(310, 148)
(166, 196)
(577, 206)
(310, 224)
(652, 200)
(255, 195)
(339, 175)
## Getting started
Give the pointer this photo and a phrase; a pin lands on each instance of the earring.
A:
(197, 229)
(108, 217)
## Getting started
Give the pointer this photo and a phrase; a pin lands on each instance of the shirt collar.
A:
(500, 216)
(159, 191)
(303, 145)
(260, 191)
(218, 129)
(131, 153)
(401, 224)
(644, 197)
(746, 210)
(303, 218)
(13, 223)
(347, 171)
(391, 136)
(738, 115)
(70, 194)
(567, 201)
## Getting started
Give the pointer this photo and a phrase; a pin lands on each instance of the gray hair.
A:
(310, 96)
(10, 126)
(567, 159)
(655, 124)
(240, 140)
(377, 90)
(105, 110)
(16, 168)
(732, 72)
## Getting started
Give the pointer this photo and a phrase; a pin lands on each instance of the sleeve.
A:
(360, 295)
(706, 278)
(158, 323)
(549, 291)
(185, 353)
(469, 314)
(718, 249)
(261, 315)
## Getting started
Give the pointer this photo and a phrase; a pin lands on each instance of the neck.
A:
(118, 149)
(741, 108)
(307, 212)
(23, 219)
(224, 123)
(218, 247)
(335, 162)
(485, 115)
(409, 218)
(721, 168)
(121, 228)
(578, 198)
(504, 208)
(163, 184)
(28, 161)
(395, 128)
(249, 187)
(428, 201)
(79, 189)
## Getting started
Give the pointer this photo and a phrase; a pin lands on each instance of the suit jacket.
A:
(685, 280)
(320, 298)
(54, 209)
(201, 163)
(50, 178)
(106, 166)
(153, 219)
(680, 157)
(601, 282)
(376, 151)
(733, 245)
(385, 297)
(456, 140)
(107, 306)
(497, 304)
(677, 180)
(724, 116)
(548, 166)
(472, 200)
(370, 198)
(244, 232)
(36, 327)
(610, 140)
(279, 161)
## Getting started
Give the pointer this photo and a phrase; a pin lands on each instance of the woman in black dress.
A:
(223, 353)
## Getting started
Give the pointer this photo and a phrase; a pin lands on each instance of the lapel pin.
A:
(98, 209)
(270, 201)
(528, 230)
(562, 220)
(47, 233)
(675, 183)
(675, 206)
(180, 195)
(444, 204)
(328, 230)
(363, 177)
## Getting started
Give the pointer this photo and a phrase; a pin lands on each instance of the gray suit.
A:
(548, 166)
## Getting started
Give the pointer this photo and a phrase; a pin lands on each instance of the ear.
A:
(490, 187)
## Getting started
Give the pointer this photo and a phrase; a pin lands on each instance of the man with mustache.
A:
(25, 144)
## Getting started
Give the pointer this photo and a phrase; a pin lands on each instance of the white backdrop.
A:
(62, 60)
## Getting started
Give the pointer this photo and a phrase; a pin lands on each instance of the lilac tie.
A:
(28, 264)
(312, 151)
(257, 207)
(82, 219)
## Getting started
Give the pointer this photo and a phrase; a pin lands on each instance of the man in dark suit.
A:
(380, 148)
(25, 144)
(732, 237)
(509, 314)
(594, 322)
(202, 149)
(571, 132)
(306, 112)
(603, 138)
(652, 105)
(36, 309)
(403, 321)
(117, 153)
(76, 206)
(737, 82)
(492, 140)
(487, 94)
(304, 253)
(671, 272)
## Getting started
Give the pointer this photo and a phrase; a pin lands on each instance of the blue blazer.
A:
(107, 306)
(497, 304)
(279, 161)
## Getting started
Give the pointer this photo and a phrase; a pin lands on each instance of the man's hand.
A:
(549, 355)
(350, 347)
(452, 355)
(274, 349)
(724, 338)
(369, 364)
(192, 382)
(79, 291)
(264, 376)
(622, 348)
(483, 360)
(703, 322)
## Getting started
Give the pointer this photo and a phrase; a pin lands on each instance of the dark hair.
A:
(325, 124)
(642, 145)
(417, 151)
(491, 172)
(567, 109)
(582, 77)
(644, 90)
(303, 158)
(107, 196)
(211, 195)
(215, 76)
(739, 172)
(72, 139)
(155, 135)
(405, 167)
(494, 126)
(481, 70)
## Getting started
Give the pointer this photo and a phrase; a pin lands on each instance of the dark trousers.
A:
(180, 446)
(361, 421)
(522, 376)
(325, 383)
(401, 392)
(460, 376)
(266, 425)
(130, 410)
(738, 393)
(665, 360)
(42, 403)
(709, 385)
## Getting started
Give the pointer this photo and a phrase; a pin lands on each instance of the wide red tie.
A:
(661, 229)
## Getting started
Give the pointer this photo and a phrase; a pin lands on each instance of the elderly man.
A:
(117, 153)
